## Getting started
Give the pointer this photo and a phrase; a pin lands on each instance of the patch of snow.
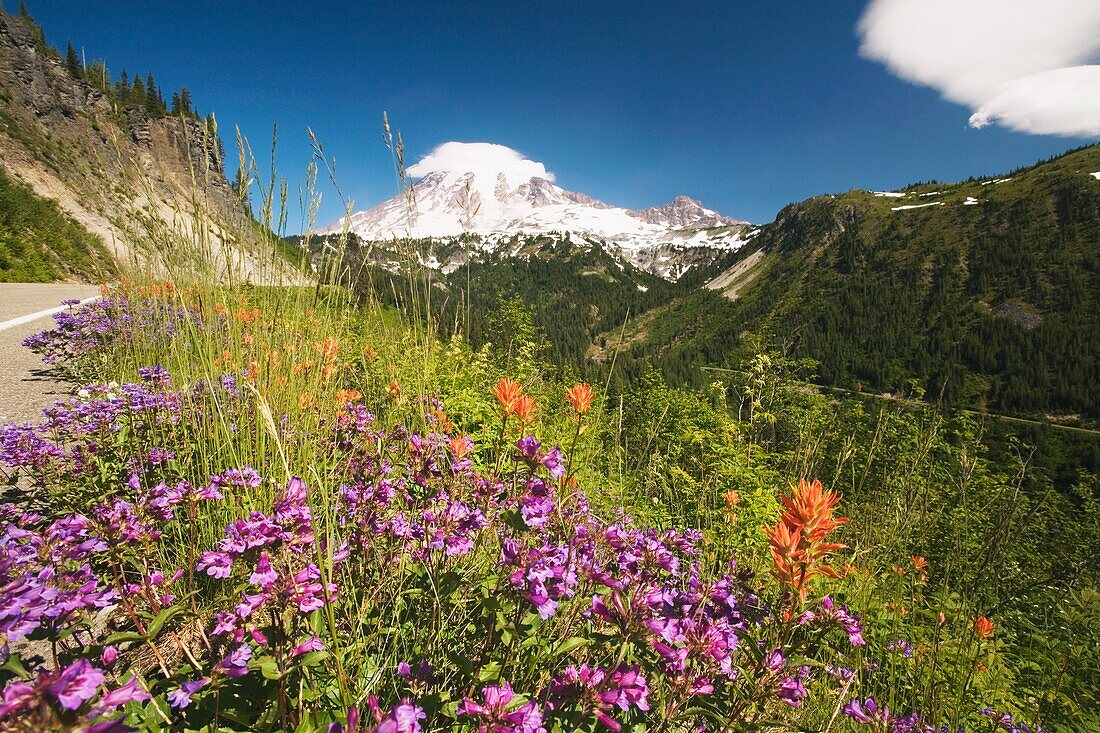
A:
(889, 194)
(996, 180)
(970, 201)
(1095, 175)
(643, 288)
(916, 206)
(934, 193)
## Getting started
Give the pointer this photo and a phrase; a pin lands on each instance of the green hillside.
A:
(990, 304)
(39, 243)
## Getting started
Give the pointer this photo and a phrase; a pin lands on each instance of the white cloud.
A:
(1024, 64)
(484, 160)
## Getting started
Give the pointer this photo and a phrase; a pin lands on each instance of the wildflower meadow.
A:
(278, 510)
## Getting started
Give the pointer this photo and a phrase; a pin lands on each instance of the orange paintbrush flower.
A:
(394, 390)
(244, 315)
(330, 347)
(305, 399)
(344, 396)
(798, 541)
(525, 409)
(983, 627)
(507, 391)
(461, 445)
(811, 508)
(580, 398)
(921, 566)
(442, 420)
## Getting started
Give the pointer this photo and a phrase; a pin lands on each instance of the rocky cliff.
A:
(153, 189)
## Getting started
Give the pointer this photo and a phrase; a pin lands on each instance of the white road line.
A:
(42, 314)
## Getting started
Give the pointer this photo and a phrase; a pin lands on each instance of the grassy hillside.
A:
(993, 303)
(39, 243)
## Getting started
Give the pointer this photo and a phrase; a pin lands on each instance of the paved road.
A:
(25, 388)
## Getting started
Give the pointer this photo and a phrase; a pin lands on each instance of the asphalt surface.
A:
(26, 386)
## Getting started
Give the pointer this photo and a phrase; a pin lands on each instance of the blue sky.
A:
(739, 104)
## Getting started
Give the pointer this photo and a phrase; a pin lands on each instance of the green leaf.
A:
(162, 618)
(570, 644)
(269, 669)
(489, 673)
(15, 666)
(312, 659)
(122, 637)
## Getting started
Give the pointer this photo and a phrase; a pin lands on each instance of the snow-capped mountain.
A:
(493, 192)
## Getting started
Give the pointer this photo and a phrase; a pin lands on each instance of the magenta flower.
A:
(404, 717)
(498, 714)
(791, 690)
(312, 644)
(130, 691)
(77, 683)
(869, 712)
(597, 693)
(18, 696)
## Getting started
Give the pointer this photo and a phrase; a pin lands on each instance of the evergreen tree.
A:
(176, 107)
(72, 62)
(122, 87)
(185, 102)
(138, 95)
(154, 102)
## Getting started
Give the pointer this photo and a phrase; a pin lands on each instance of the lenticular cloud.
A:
(1027, 65)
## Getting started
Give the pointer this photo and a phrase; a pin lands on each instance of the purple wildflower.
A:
(181, 697)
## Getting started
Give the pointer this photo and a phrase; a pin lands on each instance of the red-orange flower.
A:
(461, 445)
(798, 541)
(305, 399)
(394, 389)
(922, 567)
(244, 315)
(330, 347)
(580, 398)
(983, 627)
(507, 391)
(525, 409)
(344, 396)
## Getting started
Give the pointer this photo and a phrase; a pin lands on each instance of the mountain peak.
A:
(494, 191)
